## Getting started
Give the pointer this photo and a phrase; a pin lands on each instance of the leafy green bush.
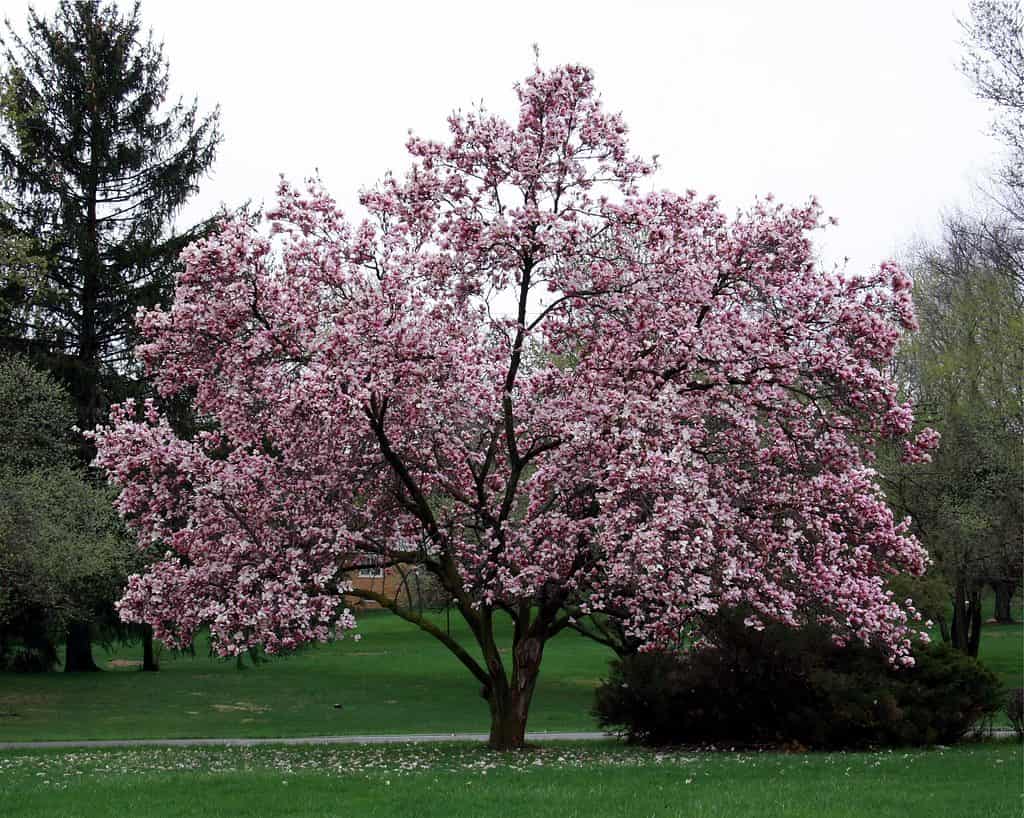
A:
(780, 685)
(36, 416)
(64, 554)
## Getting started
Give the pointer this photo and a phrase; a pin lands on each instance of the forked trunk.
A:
(510, 704)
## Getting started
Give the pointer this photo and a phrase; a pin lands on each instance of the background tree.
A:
(96, 171)
(373, 401)
(21, 279)
(48, 507)
(95, 167)
(994, 62)
(965, 368)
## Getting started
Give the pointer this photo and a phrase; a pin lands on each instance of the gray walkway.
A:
(249, 742)
(408, 738)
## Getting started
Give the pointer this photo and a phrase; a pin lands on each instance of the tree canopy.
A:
(95, 167)
(966, 365)
(966, 370)
(994, 62)
(559, 394)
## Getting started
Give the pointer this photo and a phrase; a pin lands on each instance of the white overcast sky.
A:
(859, 103)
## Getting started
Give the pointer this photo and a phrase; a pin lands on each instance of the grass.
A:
(1002, 651)
(395, 680)
(564, 781)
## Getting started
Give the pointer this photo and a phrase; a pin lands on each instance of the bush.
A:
(63, 558)
(779, 685)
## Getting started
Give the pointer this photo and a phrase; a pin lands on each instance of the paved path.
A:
(249, 742)
(407, 738)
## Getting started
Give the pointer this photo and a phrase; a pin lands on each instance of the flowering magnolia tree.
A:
(558, 394)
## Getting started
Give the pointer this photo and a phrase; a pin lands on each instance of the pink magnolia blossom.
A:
(558, 393)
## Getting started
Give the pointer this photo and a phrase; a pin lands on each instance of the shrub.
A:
(780, 686)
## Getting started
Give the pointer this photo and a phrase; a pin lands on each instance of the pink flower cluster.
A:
(549, 388)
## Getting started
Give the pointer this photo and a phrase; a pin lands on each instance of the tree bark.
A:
(78, 650)
(149, 662)
(1004, 598)
(510, 703)
(966, 628)
(974, 625)
(958, 628)
(508, 729)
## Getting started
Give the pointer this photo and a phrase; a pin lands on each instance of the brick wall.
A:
(389, 584)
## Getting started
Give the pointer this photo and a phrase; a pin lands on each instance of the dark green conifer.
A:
(95, 164)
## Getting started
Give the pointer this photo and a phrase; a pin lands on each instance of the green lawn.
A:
(395, 680)
(557, 781)
(1002, 651)
(1002, 646)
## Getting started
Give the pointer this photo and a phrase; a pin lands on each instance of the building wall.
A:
(390, 584)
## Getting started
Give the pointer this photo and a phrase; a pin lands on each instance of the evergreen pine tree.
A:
(94, 167)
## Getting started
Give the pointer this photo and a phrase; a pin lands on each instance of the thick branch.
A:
(514, 362)
(420, 506)
(426, 625)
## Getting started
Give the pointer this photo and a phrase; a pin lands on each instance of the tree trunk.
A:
(943, 629)
(41, 646)
(974, 624)
(966, 630)
(510, 704)
(508, 730)
(958, 629)
(149, 662)
(1004, 598)
(78, 651)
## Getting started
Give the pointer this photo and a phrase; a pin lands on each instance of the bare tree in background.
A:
(994, 62)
